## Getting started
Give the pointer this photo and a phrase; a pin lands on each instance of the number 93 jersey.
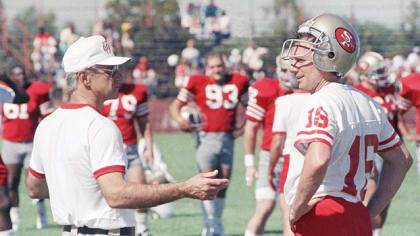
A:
(355, 127)
(216, 101)
(131, 103)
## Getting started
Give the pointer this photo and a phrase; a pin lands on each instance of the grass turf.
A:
(178, 152)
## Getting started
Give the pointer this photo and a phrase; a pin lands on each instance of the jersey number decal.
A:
(371, 140)
(15, 111)
(214, 95)
(128, 102)
(252, 93)
(320, 120)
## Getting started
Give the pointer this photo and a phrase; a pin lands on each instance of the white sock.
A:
(249, 233)
(8, 232)
(141, 222)
(377, 232)
(41, 220)
(14, 216)
(219, 207)
(209, 208)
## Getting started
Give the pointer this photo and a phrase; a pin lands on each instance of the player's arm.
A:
(37, 186)
(276, 149)
(250, 140)
(175, 111)
(313, 172)
(397, 162)
(121, 194)
(146, 132)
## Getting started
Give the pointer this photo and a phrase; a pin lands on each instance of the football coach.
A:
(78, 159)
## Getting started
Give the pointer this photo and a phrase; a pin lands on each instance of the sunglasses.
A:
(111, 72)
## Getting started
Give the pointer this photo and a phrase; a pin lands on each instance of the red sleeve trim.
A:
(252, 118)
(36, 174)
(388, 139)
(390, 148)
(109, 169)
(316, 132)
(279, 132)
(181, 101)
(312, 140)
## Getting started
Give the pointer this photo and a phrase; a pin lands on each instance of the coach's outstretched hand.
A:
(204, 186)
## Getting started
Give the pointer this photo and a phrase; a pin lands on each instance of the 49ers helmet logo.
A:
(345, 39)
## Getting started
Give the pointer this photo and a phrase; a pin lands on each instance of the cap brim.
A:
(113, 61)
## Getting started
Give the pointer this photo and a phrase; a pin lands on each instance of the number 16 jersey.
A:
(355, 127)
(216, 101)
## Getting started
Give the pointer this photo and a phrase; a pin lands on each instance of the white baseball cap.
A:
(90, 51)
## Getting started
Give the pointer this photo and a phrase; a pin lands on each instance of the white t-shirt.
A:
(287, 112)
(73, 147)
(354, 125)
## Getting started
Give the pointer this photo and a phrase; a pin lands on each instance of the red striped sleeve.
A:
(390, 148)
(36, 174)
(316, 132)
(389, 139)
(109, 169)
(307, 141)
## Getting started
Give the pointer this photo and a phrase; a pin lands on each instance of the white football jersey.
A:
(355, 127)
(287, 113)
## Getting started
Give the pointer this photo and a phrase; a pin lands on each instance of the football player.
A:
(8, 94)
(337, 133)
(19, 123)
(409, 97)
(127, 111)
(217, 95)
(287, 111)
(260, 111)
(375, 82)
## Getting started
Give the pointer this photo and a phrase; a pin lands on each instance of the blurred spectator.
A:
(127, 43)
(196, 68)
(191, 19)
(211, 10)
(182, 71)
(225, 25)
(234, 62)
(190, 52)
(413, 63)
(145, 75)
(45, 46)
(248, 52)
(220, 27)
(67, 37)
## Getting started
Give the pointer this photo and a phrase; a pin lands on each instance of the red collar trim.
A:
(77, 106)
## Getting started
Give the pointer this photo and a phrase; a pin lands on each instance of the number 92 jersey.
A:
(131, 103)
(217, 102)
(355, 127)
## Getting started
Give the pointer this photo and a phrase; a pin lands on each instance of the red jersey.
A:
(261, 106)
(131, 103)
(20, 120)
(386, 98)
(217, 102)
(410, 90)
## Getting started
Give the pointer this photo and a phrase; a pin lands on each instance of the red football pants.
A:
(334, 216)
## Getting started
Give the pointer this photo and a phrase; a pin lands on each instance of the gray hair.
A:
(71, 79)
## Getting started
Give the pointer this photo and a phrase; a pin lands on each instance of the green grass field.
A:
(178, 151)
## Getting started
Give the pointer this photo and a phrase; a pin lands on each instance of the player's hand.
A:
(204, 186)
(250, 173)
(296, 212)
(148, 156)
(403, 103)
(185, 126)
